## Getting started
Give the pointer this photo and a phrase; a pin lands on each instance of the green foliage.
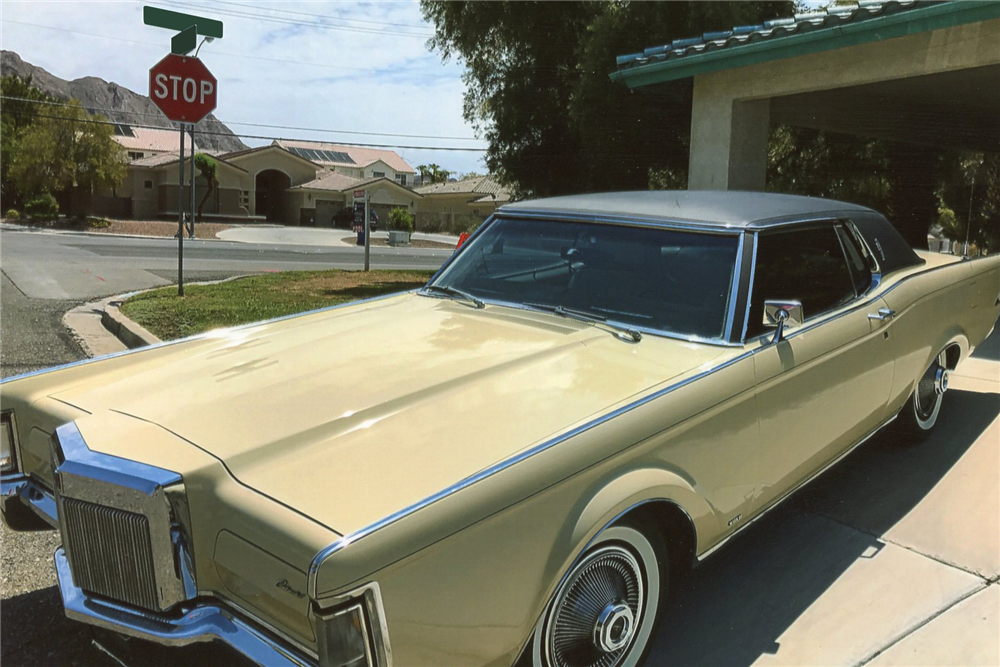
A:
(42, 206)
(13, 214)
(208, 169)
(432, 173)
(67, 153)
(969, 198)
(17, 115)
(256, 298)
(401, 220)
(94, 222)
(537, 86)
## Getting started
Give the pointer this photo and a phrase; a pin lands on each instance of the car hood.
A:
(352, 414)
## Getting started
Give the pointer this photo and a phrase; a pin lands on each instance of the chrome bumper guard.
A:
(38, 499)
(203, 622)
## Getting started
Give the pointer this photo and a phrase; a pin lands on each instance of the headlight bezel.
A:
(359, 611)
(8, 432)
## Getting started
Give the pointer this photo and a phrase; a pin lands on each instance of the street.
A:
(895, 549)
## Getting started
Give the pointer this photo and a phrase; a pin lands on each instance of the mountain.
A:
(98, 95)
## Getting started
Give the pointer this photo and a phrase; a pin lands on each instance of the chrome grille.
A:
(110, 553)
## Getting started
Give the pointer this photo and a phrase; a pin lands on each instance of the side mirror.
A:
(781, 314)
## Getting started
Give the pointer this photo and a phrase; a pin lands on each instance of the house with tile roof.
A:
(285, 182)
(445, 203)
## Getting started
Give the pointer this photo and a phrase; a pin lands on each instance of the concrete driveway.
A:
(312, 236)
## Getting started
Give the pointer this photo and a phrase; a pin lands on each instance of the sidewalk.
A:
(312, 236)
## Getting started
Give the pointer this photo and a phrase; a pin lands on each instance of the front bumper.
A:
(203, 622)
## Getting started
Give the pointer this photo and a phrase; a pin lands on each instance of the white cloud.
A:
(362, 78)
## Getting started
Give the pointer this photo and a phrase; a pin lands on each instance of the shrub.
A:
(13, 214)
(42, 206)
(97, 223)
(401, 220)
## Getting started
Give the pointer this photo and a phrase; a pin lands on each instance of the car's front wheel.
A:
(606, 608)
(920, 413)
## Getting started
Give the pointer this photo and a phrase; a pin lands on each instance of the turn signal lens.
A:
(8, 457)
(343, 638)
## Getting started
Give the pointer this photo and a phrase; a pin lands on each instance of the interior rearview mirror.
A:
(781, 315)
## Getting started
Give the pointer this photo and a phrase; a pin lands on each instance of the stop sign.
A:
(183, 88)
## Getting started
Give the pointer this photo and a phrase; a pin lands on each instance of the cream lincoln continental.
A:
(508, 465)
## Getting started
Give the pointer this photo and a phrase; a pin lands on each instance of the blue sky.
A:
(337, 65)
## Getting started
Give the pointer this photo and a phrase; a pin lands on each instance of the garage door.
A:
(325, 210)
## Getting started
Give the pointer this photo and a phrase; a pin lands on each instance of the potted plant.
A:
(400, 226)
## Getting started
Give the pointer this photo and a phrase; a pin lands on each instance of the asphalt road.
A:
(76, 267)
(892, 556)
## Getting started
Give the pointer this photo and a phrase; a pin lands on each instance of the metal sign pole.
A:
(180, 219)
(191, 218)
(368, 234)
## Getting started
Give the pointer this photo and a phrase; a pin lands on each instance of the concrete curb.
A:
(69, 232)
(128, 331)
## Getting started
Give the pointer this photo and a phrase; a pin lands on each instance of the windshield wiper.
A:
(622, 333)
(455, 293)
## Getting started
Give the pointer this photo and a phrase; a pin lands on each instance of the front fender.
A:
(634, 488)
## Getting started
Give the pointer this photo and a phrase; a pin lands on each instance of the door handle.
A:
(883, 315)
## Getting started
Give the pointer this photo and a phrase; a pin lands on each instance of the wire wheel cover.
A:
(609, 577)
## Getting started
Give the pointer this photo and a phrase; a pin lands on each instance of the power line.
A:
(287, 21)
(214, 52)
(258, 136)
(233, 122)
(320, 16)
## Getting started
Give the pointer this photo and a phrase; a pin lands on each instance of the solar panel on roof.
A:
(123, 131)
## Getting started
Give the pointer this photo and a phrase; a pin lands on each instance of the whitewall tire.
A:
(607, 606)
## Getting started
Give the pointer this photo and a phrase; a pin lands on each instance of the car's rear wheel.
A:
(606, 608)
(920, 413)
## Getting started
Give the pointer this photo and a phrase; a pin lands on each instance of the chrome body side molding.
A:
(349, 539)
(718, 545)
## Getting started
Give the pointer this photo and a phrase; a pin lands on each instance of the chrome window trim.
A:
(201, 623)
(643, 330)
(753, 269)
(361, 533)
(723, 340)
(734, 291)
(679, 224)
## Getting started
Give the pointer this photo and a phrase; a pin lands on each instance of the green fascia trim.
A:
(934, 17)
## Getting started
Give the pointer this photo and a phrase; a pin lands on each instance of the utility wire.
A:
(233, 122)
(214, 52)
(257, 136)
(287, 21)
(321, 16)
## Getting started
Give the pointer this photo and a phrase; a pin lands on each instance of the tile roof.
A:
(831, 18)
(148, 139)
(337, 182)
(482, 185)
(357, 156)
(164, 159)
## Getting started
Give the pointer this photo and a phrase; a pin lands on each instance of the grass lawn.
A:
(256, 298)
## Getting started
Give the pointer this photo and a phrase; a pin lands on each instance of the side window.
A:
(861, 274)
(805, 265)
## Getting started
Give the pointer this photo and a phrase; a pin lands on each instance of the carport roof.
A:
(810, 32)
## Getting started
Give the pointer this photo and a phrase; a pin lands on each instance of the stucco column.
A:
(728, 140)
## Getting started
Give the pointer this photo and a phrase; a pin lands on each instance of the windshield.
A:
(655, 279)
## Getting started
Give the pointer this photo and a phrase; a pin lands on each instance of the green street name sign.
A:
(184, 42)
(163, 18)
